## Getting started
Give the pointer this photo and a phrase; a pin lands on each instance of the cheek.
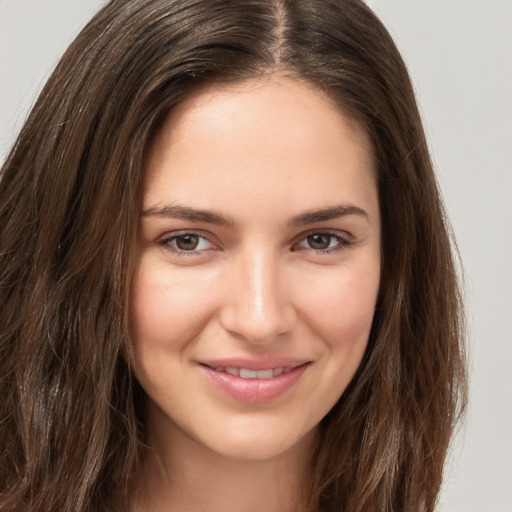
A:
(168, 308)
(340, 309)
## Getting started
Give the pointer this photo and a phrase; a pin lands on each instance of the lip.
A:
(254, 391)
(262, 363)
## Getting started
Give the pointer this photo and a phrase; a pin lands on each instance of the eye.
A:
(323, 242)
(191, 243)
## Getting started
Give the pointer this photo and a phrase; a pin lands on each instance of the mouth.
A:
(246, 373)
(254, 385)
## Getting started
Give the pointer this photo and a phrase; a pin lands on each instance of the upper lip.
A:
(256, 364)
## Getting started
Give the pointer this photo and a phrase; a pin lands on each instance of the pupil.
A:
(319, 241)
(187, 242)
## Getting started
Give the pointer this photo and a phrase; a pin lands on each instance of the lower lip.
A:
(254, 391)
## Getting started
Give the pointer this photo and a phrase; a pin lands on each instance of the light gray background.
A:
(459, 53)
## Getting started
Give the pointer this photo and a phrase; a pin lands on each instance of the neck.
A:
(182, 475)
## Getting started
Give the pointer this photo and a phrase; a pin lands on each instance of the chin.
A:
(261, 445)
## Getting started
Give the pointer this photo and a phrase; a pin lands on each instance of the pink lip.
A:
(254, 391)
(262, 363)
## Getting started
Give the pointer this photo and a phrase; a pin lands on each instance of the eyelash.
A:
(166, 242)
(343, 243)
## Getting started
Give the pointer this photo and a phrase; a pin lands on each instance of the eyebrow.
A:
(324, 214)
(184, 212)
(210, 217)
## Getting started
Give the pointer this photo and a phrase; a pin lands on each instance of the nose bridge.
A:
(258, 306)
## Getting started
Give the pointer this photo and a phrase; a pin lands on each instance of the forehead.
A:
(295, 107)
(268, 137)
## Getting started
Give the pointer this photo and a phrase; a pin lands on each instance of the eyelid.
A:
(346, 240)
(165, 240)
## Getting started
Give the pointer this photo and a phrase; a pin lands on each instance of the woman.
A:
(226, 275)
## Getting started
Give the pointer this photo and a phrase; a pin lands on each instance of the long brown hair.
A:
(72, 415)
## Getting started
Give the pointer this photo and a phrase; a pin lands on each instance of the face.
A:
(259, 267)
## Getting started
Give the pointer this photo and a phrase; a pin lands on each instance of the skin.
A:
(260, 155)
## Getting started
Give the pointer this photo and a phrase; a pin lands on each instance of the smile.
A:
(254, 386)
(246, 373)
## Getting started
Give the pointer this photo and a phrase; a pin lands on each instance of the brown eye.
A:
(323, 242)
(187, 242)
(319, 241)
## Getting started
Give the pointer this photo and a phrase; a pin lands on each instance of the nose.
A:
(257, 305)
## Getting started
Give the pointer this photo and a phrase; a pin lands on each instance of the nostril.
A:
(258, 328)
(257, 306)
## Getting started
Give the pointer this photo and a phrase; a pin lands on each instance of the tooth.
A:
(232, 371)
(219, 369)
(277, 372)
(264, 374)
(247, 374)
